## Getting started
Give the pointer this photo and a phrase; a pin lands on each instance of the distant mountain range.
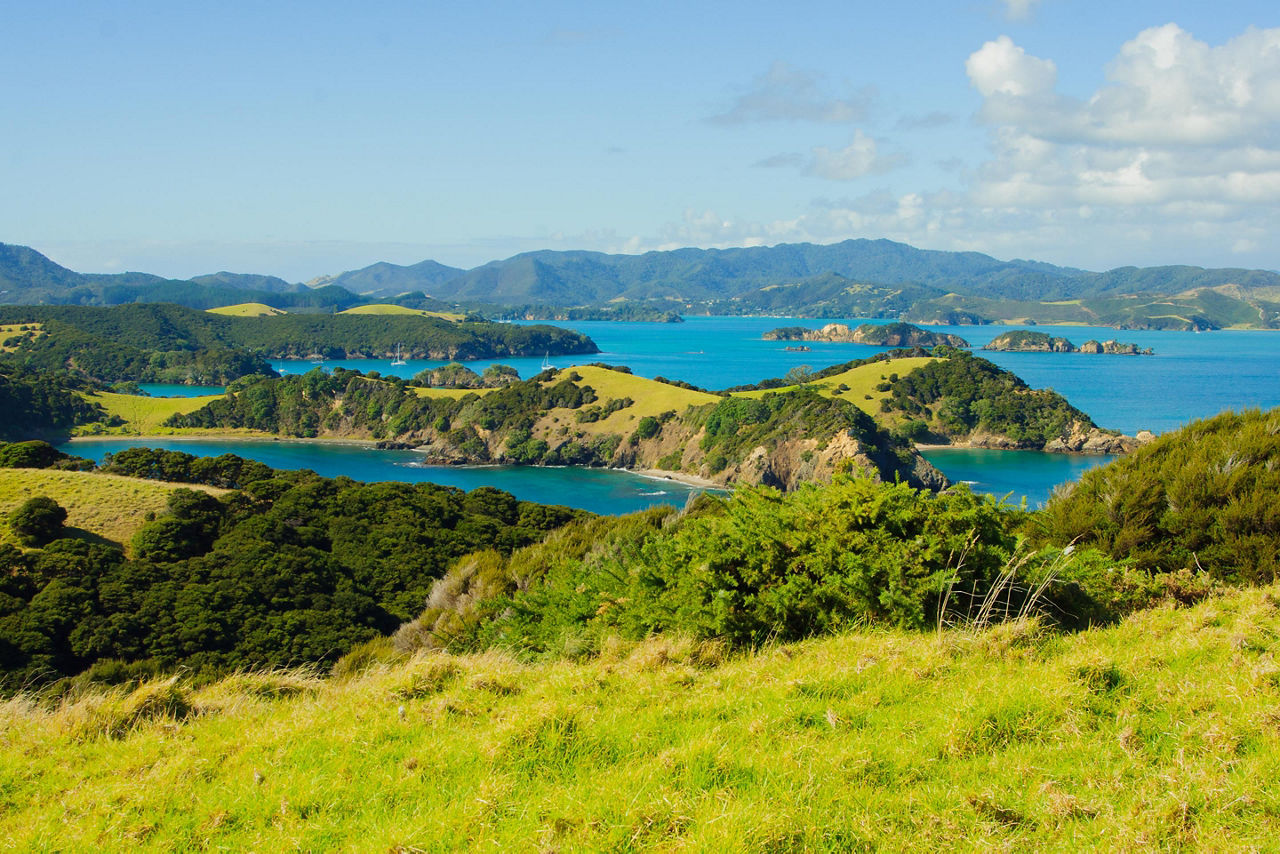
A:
(871, 277)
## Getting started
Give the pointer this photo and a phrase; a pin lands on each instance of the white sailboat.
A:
(397, 361)
(546, 365)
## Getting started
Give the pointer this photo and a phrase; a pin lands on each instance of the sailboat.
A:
(397, 361)
(546, 365)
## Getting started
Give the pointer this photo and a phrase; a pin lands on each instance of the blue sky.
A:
(301, 139)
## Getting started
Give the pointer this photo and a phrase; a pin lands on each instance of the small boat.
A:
(397, 361)
(546, 365)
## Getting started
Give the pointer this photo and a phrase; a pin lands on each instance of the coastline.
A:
(679, 477)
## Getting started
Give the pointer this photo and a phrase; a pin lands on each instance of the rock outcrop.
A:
(1026, 341)
(877, 334)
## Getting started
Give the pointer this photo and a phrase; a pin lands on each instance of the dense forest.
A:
(33, 404)
(169, 343)
(289, 568)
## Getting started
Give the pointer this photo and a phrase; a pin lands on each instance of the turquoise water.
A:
(171, 390)
(1012, 475)
(1192, 375)
(597, 490)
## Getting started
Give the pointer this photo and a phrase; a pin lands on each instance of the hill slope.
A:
(1159, 733)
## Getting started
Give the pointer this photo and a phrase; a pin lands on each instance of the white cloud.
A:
(1002, 68)
(787, 93)
(1019, 10)
(860, 157)
(1174, 159)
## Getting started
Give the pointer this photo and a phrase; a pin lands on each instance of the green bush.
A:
(38, 521)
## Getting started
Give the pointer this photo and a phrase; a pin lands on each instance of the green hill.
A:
(1158, 733)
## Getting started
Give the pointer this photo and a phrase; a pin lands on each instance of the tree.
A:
(38, 521)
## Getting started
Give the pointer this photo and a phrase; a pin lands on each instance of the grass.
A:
(145, 415)
(1161, 733)
(8, 330)
(248, 309)
(101, 505)
(449, 392)
(387, 308)
(651, 398)
(862, 382)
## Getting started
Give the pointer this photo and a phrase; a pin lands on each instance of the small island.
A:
(1026, 341)
(877, 334)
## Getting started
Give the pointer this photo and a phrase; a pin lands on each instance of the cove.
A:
(605, 491)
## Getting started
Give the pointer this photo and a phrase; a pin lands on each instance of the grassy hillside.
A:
(145, 415)
(861, 382)
(1160, 733)
(651, 398)
(21, 332)
(105, 505)
(248, 309)
(388, 308)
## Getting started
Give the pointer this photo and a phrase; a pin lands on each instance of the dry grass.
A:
(104, 505)
(861, 382)
(248, 309)
(387, 308)
(8, 330)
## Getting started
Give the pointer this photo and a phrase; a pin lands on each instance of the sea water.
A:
(1191, 375)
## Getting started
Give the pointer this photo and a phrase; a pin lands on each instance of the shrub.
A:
(38, 521)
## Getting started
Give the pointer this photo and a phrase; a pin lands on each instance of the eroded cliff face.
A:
(1080, 439)
(677, 448)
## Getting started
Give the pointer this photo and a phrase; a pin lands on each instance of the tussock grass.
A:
(248, 309)
(1160, 733)
(105, 505)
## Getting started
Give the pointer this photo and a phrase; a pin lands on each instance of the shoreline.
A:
(678, 477)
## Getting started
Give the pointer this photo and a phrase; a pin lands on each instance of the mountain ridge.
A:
(711, 277)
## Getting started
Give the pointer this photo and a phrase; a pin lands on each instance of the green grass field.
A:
(387, 308)
(248, 309)
(145, 415)
(1160, 734)
(862, 382)
(104, 505)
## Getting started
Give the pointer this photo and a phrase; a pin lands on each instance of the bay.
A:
(608, 491)
(1191, 375)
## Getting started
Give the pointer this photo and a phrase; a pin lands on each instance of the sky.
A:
(304, 139)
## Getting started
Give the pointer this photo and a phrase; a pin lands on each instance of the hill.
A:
(1159, 732)
(169, 343)
(878, 278)
(29, 278)
(99, 505)
(247, 309)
